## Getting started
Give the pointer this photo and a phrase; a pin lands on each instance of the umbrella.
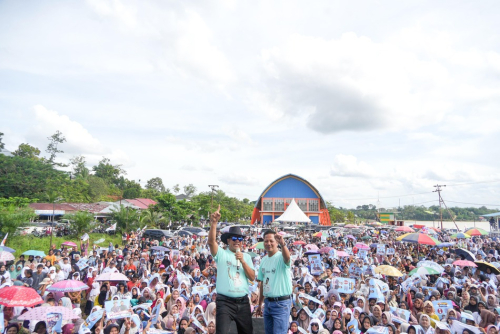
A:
(431, 264)
(350, 226)
(402, 236)
(476, 232)
(38, 313)
(424, 271)
(342, 254)
(252, 254)
(69, 243)
(388, 271)
(366, 237)
(312, 247)
(446, 244)
(460, 235)
(203, 234)
(259, 245)
(483, 266)
(360, 245)
(404, 229)
(464, 263)
(350, 237)
(111, 277)
(34, 253)
(99, 241)
(19, 296)
(311, 252)
(6, 256)
(68, 286)
(496, 264)
(300, 242)
(7, 249)
(318, 234)
(160, 248)
(420, 238)
(325, 250)
(465, 254)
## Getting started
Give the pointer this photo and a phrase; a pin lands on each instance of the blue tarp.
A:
(496, 214)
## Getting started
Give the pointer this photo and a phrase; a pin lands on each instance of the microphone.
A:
(238, 263)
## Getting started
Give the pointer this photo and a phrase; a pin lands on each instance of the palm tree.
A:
(152, 217)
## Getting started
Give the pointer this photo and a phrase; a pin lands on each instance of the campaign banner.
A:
(317, 301)
(346, 285)
(82, 264)
(197, 324)
(323, 237)
(375, 291)
(363, 253)
(352, 327)
(441, 307)
(201, 289)
(380, 249)
(302, 330)
(85, 237)
(400, 315)
(155, 314)
(315, 263)
(458, 327)
(308, 311)
(384, 287)
(333, 253)
(137, 321)
(1, 323)
(378, 330)
(390, 251)
(319, 314)
(92, 319)
(99, 241)
(117, 309)
(54, 322)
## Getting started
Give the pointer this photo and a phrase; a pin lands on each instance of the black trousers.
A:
(233, 309)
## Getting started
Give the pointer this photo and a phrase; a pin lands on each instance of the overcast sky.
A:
(362, 98)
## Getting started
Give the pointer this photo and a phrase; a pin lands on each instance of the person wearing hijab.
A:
(377, 315)
(293, 328)
(366, 324)
(210, 313)
(112, 329)
(473, 305)
(386, 318)
(491, 302)
(304, 319)
(424, 322)
(429, 310)
(315, 326)
(487, 318)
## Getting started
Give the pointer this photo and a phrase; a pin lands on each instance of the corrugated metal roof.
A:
(50, 206)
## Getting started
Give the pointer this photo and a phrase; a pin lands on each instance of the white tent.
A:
(293, 214)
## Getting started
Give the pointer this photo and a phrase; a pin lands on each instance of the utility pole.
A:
(214, 188)
(441, 202)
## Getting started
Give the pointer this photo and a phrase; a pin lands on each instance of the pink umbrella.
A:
(350, 226)
(464, 263)
(68, 286)
(111, 277)
(406, 229)
(312, 247)
(38, 313)
(19, 296)
(325, 250)
(342, 254)
(69, 243)
(6, 256)
(360, 245)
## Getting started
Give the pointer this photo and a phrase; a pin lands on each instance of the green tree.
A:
(350, 216)
(2, 145)
(176, 189)
(156, 183)
(12, 217)
(53, 148)
(81, 222)
(127, 219)
(79, 168)
(189, 190)
(98, 188)
(149, 193)
(131, 189)
(27, 151)
(153, 218)
(108, 172)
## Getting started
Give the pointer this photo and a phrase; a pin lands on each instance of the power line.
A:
(465, 184)
(368, 198)
(474, 203)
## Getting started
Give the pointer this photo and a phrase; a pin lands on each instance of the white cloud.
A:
(348, 165)
(238, 179)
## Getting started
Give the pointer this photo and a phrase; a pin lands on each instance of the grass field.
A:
(23, 243)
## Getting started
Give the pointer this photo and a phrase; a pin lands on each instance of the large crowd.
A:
(374, 282)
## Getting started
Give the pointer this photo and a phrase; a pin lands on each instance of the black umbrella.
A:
(483, 266)
(465, 254)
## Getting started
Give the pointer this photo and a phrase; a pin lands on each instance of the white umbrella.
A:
(432, 265)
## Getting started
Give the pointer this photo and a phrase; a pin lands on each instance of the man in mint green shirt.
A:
(275, 284)
(234, 270)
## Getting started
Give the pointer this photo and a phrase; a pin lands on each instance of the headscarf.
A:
(423, 315)
(183, 305)
(208, 313)
(363, 329)
(315, 321)
(305, 323)
(389, 317)
(472, 308)
(108, 328)
(487, 318)
(491, 306)
(66, 302)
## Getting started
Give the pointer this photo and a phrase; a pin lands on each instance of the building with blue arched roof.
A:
(277, 196)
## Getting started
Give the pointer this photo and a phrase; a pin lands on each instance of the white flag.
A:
(111, 228)
(4, 239)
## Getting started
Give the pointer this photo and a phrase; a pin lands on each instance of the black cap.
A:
(233, 231)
